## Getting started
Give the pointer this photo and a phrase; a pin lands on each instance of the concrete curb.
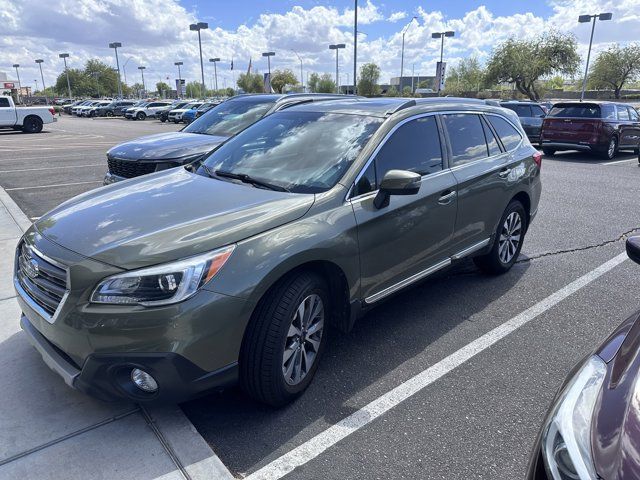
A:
(191, 454)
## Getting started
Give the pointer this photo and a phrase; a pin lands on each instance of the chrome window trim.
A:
(451, 168)
(27, 298)
(469, 250)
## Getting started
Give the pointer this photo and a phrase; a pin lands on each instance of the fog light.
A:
(143, 380)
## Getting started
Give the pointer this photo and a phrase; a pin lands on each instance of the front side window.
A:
(4, 102)
(303, 152)
(508, 134)
(537, 111)
(414, 146)
(231, 117)
(466, 137)
(623, 113)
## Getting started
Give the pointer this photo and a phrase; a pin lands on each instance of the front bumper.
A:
(108, 376)
(569, 146)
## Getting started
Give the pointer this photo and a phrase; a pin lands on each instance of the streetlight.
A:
(301, 72)
(269, 55)
(587, 19)
(196, 27)
(144, 88)
(44, 88)
(64, 57)
(115, 46)
(404, 31)
(177, 64)
(215, 69)
(124, 70)
(16, 65)
(337, 47)
(441, 35)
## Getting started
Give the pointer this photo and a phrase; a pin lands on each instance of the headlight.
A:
(162, 284)
(566, 440)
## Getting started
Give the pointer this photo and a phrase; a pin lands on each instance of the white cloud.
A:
(155, 33)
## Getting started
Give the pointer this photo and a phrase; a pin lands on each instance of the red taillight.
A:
(53, 111)
(537, 157)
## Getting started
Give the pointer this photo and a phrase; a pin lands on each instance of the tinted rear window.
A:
(4, 102)
(508, 134)
(521, 110)
(575, 111)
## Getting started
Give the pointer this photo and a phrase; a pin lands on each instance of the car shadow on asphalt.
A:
(355, 369)
(7, 133)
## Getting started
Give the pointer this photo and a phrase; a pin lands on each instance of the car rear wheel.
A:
(549, 152)
(611, 150)
(109, 113)
(162, 119)
(508, 241)
(32, 125)
(285, 340)
(141, 116)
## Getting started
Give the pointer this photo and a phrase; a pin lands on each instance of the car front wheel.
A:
(141, 116)
(612, 148)
(508, 241)
(285, 340)
(32, 125)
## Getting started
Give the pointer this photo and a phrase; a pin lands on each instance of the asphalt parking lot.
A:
(472, 417)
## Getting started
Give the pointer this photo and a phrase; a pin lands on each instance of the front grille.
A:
(44, 282)
(129, 168)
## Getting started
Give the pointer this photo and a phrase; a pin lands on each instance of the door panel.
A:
(406, 237)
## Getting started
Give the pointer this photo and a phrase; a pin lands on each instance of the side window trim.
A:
(487, 125)
(373, 155)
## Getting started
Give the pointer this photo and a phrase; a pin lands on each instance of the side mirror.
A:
(397, 182)
(633, 248)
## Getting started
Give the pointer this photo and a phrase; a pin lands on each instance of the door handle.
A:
(446, 197)
(504, 173)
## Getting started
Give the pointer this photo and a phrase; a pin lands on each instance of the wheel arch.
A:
(525, 200)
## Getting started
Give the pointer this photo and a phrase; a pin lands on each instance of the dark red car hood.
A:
(616, 422)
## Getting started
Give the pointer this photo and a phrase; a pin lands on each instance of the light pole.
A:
(404, 31)
(124, 70)
(177, 64)
(301, 72)
(35, 80)
(196, 27)
(115, 46)
(44, 88)
(215, 69)
(64, 57)
(441, 35)
(587, 19)
(144, 88)
(16, 66)
(269, 55)
(355, 46)
(337, 47)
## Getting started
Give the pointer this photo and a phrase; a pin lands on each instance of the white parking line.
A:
(620, 161)
(345, 427)
(57, 167)
(43, 158)
(50, 186)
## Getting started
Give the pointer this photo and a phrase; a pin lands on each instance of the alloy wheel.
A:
(303, 339)
(510, 237)
(611, 151)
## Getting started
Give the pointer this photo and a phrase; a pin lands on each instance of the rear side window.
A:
(575, 111)
(633, 114)
(509, 136)
(609, 112)
(521, 110)
(4, 102)
(466, 137)
(414, 146)
(623, 113)
(537, 111)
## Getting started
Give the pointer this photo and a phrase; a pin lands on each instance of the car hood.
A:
(166, 146)
(616, 421)
(166, 216)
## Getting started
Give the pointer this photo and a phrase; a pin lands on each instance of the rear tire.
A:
(109, 113)
(282, 346)
(141, 116)
(32, 125)
(609, 153)
(549, 152)
(509, 237)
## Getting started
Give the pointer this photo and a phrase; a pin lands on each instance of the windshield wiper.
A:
(244, 178)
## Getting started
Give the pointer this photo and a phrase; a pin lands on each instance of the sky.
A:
(155, 33)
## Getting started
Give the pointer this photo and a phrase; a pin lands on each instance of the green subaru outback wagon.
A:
(234, 269)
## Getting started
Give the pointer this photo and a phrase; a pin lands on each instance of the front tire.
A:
(612, 148)
(508, 241)
(32, 125)
(141, 116)
(285, 339)
(109, 113)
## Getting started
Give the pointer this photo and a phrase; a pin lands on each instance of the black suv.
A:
(153, 153)
(530, 114)
(115, 108)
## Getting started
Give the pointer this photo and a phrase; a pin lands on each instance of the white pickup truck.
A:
(27, 119)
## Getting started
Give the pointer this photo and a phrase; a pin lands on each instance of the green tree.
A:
(137, 89)
(406, 91)
(615, 66)
(251, 82)
(312, 83)
(524, 62)
(326, 84)
(194, 89)
(282, 78)
(392, 92)
(467, 76)
(163, 87)
(555, 83)
(369, 78)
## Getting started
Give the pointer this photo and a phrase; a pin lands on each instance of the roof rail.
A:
(401, 106)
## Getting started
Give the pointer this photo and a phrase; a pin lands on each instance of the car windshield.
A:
(575, 111)
(303, 152)
(230, 117)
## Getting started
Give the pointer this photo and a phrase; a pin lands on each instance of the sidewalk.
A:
(49, 431)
